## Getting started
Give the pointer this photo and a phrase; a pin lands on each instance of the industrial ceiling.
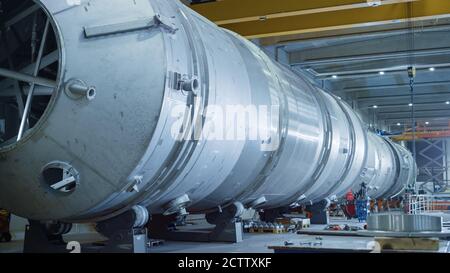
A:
(362, 58)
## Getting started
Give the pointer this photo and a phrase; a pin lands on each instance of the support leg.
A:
(228, 227)
(319, 212)
(271, 215)
(126, 233)
(45, 238)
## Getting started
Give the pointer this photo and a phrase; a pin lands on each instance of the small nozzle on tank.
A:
(77, 89)
(190, 85)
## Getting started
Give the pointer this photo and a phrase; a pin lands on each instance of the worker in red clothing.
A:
(349, 207)
(350, 197)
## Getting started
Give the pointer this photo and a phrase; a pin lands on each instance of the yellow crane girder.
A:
(268, 18)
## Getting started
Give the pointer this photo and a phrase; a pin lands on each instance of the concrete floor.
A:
(253, 243)
(259, 243)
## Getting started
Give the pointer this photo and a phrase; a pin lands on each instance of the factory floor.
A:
(260, 243)
(252, 243)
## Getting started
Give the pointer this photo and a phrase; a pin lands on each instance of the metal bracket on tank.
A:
(184, 83)
(255, 204)
(116, 28)
(166, 22)
(297, 202)
(177, 206)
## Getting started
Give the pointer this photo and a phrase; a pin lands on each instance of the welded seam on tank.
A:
(245, 53)
(390, 153)
(179, 162)
(352, 152)
(274, 157)
(397, 156)
(326, 145)
(175, 158)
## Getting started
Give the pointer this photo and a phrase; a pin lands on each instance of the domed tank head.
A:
(76, 113)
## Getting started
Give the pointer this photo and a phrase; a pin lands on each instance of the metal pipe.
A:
(16, 85)
(38, 91)
(46, 61)
(27, 78)
(35, 74)
(22, 15)
(82, 90)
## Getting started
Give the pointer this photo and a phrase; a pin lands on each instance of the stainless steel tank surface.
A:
(105, 104)
(403, 223)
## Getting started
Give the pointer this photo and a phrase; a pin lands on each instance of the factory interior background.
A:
(352, 117)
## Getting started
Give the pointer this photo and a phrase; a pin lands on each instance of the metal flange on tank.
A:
(405, 226)
(147, 103)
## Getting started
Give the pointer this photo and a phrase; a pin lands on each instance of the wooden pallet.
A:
(267, 230)
(300, 223)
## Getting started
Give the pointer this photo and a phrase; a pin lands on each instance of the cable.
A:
(412, 74)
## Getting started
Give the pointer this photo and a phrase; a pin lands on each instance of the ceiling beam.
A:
(433, 122)
(370, 73)
(406, 118)
(268, 18)
(424, 95)
(237, 11)
(417, 112)
(296, 57)
(393, 86)
(389, 107)
(365, 33)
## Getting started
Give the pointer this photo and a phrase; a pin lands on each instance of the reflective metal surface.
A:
(404, 223)
(144, 60)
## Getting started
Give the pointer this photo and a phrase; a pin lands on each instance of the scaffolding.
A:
(426, 204)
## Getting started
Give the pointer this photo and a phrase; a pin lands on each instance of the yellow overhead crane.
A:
(277, 21)
(423, 132)
(409, 136)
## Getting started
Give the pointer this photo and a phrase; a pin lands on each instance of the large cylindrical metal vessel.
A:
(142, 102)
